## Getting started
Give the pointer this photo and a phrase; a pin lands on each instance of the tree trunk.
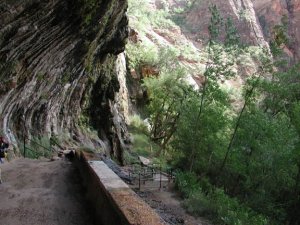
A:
(248, 95)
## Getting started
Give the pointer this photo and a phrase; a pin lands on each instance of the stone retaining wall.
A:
(112, 201)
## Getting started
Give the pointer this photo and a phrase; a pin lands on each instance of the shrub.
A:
(161, 162)
(202, 199)
(199, 204)
(141, 144)
(186, 183)
(136, 123)
(142, 54)
(230, 211)
(130, 158)
(38, 147)
(86, 148)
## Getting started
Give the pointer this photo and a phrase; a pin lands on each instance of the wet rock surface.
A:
(58, 70)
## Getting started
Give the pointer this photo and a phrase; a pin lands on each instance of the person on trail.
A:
(3, 148)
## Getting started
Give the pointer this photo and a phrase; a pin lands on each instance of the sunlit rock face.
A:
(270, 13)
(241, 11)
(59, 70)
(253, 18)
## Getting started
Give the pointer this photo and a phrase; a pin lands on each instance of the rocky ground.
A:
(165, 200)
(168, 205)
(42, 192)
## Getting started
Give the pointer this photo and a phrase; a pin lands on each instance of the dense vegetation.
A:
(238, 165)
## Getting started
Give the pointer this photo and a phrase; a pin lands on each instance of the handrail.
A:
(38, 144)
(31, 151)
(142, 175)
(35, 142)
(52, 141)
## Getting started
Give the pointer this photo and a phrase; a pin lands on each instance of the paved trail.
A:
(39, 192)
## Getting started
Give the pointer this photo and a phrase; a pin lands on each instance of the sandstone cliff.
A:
(58, 70)
(270, 13)
(241, 11)
(253, 18)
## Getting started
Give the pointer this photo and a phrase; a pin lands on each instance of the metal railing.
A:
(142, 174)
(46, 151)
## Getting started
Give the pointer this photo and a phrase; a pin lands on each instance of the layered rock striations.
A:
(254, 19)
(59, 72)
(270, 13)
(241, 11)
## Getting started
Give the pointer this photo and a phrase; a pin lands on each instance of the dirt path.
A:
(39, 192)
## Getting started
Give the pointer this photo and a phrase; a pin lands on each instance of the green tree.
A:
(166, 94)
(199, 145)
(262, 155)
(219, 66)
(166, 97)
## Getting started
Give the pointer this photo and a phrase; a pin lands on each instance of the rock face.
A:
(58, 69)
(253, 18)
(270, 13)
(241, 11)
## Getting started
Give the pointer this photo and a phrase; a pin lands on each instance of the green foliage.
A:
(202, 148)
(186, 183)
(167, 95)
(38, 147)
(262, 155)
(142, 145)
(145, 16)
(280, 37)
(243, 162)
(130, 158)
(88, 10)
(161, 162)
(206, 110)
(200, 205)
(138, 125)
(230, 211)
(202, 199)
(88, 149)
(84, 121)
(65, 78)
(295, 116)
(149, 50)
(232, 36)
(40, 76)
(263, 143)
(142, 54)
(216, 23)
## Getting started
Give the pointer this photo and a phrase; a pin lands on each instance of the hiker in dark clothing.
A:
(3, 148)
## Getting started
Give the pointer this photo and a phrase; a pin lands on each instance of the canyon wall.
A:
(241, 11)
(254, 20)
(270, 13)
(59, 70)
